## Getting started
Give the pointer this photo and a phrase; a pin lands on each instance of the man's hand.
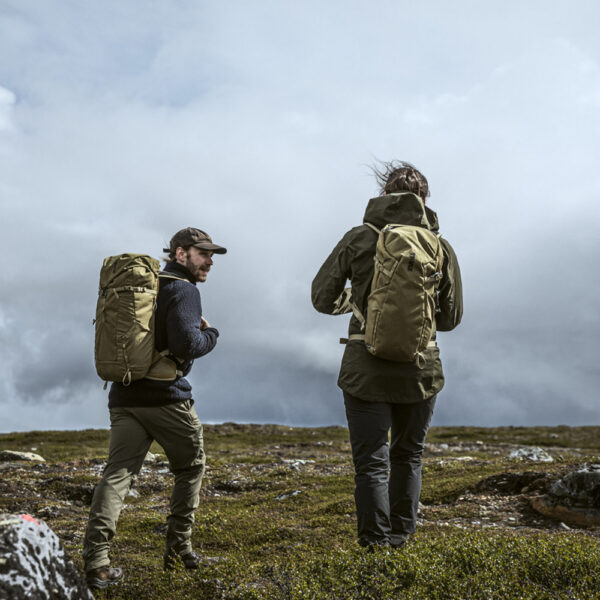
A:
(203, 323)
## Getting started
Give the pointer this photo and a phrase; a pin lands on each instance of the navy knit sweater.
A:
(178, 314)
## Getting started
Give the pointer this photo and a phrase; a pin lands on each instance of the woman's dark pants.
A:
(388, 474)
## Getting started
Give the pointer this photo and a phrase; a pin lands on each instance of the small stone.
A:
(284, 496)
(150, 457)
(564, 526)
(133, 493)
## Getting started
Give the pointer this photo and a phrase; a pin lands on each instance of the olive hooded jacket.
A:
(363, 375)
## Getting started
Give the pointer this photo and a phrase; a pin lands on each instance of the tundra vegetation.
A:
(276, 516)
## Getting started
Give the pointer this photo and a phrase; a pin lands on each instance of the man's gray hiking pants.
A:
(388, 474)
(177, 429)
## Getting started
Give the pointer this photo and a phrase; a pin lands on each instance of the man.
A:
(381, 394)
(150, 409)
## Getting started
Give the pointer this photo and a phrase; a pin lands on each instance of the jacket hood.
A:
(405, 208)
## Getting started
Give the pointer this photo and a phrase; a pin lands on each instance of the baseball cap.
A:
(190, 236)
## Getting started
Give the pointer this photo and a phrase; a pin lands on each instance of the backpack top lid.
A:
(404, 208)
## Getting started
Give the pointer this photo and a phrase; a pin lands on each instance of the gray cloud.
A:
(118, 128)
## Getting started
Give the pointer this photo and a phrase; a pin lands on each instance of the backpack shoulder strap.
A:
(167, 275)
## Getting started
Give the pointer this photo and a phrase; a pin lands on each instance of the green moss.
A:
(304, 546)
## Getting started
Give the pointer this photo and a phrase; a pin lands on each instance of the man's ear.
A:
(181, 253)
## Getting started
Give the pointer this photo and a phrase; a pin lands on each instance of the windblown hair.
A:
(400, 176)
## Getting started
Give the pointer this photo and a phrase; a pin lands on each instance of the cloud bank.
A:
(118, 128)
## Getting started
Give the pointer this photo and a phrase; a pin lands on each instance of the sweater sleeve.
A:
(185, 338)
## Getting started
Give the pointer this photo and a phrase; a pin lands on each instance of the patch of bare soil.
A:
(502, 501)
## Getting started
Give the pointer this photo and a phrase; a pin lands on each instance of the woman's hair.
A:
(400, 176)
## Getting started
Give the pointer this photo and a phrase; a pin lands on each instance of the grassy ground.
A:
(276, 517)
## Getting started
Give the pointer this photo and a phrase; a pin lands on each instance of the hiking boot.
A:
(103, 577)
(191, 560)
(374, 546)
(399, 541)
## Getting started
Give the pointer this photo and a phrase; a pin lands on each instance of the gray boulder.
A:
(33, 563)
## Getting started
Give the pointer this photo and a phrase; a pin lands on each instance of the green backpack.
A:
(401, 306)
(124, 348)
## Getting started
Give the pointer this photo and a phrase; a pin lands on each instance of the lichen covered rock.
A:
(531, 453)
(33, 563)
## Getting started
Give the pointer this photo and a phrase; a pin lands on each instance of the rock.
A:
(33, 563)
(572, 515)
(284, 496)
(149, 458)
(579, 488)
(574, 499)
(533, 453)
(296, 463)
(12, 455)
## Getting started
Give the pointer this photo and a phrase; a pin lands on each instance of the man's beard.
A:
(197, 272)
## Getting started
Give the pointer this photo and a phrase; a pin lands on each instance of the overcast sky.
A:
(122, 122)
